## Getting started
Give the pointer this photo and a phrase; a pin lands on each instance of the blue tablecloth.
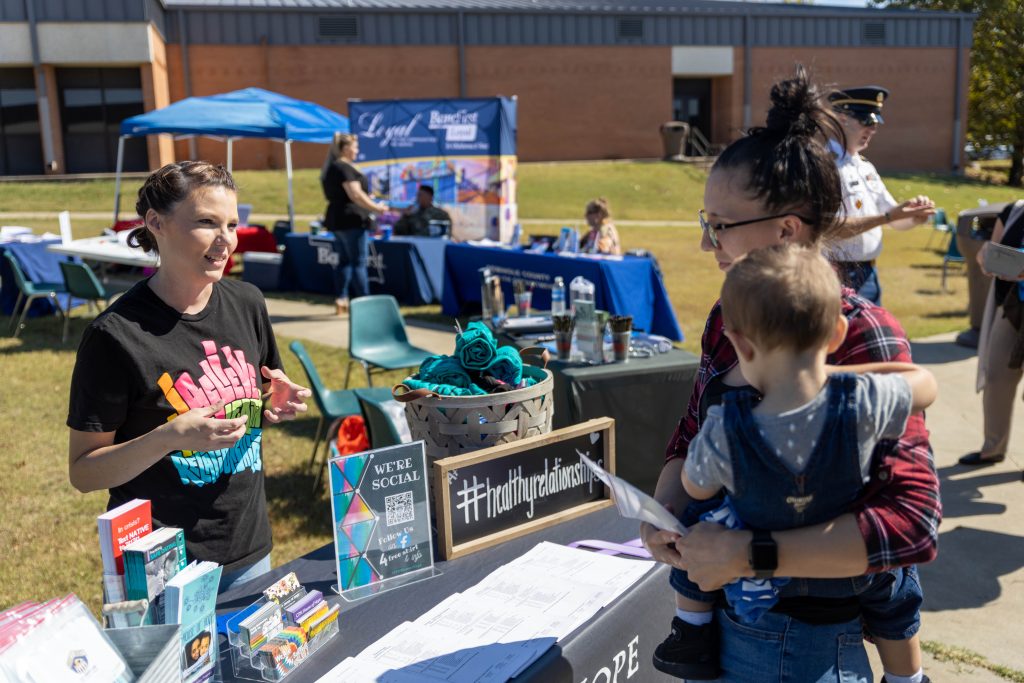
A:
(631, 286)
(38, 264)
(409, 268)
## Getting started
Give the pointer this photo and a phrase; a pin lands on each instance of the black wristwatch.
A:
(763, 555)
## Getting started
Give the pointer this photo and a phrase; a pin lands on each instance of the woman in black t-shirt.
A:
(167, 396)
(1001, 345)
(349, 206)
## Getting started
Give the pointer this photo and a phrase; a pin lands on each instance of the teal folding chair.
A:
(952, 255)
(377, 338)
(940, 225)
(333, 404)
(379, 423)
(81, 283)
(28, 292)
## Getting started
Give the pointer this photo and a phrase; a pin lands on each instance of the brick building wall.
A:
(575, 102)
(918, 130)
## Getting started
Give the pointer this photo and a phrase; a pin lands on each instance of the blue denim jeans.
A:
(351, 278)
(237, 577)
(780, 649)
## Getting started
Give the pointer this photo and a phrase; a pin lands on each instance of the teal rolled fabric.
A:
(444, 389)
(476, 347)
(444, 370)
(506, 366)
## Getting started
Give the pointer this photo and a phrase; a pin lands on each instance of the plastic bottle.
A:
(580, 289)
(558, 297)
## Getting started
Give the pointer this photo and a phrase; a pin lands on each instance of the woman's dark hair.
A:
(787, 162)
(165, 188)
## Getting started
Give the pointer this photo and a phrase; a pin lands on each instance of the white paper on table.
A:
(634, 503)
(496, 629)
(418, 652)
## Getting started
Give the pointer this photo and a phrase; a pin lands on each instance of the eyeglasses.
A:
(711, 229)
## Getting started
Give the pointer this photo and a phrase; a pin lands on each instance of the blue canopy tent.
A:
(247, 113)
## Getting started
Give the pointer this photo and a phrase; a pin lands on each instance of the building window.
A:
(337, 28)
(629, 28)
(21, 147)
(93, 102)
(872, 33)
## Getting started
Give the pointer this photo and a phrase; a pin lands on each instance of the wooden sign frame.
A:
(442, 499)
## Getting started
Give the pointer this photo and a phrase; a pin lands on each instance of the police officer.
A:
(867, 204)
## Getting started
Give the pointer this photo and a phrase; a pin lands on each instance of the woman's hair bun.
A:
(796, 107)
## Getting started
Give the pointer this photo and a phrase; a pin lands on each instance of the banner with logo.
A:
(464, 149)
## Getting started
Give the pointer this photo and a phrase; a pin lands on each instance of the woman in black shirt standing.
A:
(349, 206)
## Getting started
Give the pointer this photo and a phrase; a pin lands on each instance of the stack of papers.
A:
(496, 629)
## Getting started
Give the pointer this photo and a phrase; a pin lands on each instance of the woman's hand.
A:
(660, 544)
(198, 430)
(286, 399)
(713, 556)
(980, 258)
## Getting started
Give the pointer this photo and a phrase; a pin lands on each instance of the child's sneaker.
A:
(689, 652)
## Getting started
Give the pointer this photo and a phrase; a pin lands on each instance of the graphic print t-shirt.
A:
(140, 364)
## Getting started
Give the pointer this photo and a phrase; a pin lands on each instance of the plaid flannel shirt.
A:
(900, 511)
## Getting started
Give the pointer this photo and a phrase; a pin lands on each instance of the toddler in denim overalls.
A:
(800, 456)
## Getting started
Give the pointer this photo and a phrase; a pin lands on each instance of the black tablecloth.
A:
(408, 268)
(642, 614)
(645, 396)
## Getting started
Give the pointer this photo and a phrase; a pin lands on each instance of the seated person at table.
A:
(800, 454)
(603, 238)
(415, 221)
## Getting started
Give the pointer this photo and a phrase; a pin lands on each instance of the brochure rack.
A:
(250, 666)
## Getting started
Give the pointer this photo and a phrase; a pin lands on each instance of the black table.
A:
(622, 635)
(645, 396)
(411, 269)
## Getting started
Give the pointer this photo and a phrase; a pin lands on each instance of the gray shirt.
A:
(883, 403)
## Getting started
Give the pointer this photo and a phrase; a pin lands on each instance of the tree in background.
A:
(996, 97)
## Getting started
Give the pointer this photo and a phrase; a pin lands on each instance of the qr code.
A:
(398, 508)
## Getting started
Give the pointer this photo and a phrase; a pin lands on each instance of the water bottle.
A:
(558, 297)
(581, 289)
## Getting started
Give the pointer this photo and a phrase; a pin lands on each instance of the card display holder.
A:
(249, 663)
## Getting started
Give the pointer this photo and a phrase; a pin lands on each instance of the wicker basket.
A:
(452, 425)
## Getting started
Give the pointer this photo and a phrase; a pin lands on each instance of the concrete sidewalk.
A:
(974, 591)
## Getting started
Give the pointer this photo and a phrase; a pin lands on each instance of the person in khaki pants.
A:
(999, 366)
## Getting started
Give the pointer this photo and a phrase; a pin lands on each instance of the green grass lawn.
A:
(637, 191)
(48, 530)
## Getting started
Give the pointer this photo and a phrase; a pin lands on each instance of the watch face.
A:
(764, 555)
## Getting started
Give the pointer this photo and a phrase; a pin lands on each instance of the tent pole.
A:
(230, 146)
(291, 194)
(117, 178)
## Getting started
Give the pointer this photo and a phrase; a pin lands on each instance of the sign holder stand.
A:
(380, 514)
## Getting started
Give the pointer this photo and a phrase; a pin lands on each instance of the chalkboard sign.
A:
(491, 495)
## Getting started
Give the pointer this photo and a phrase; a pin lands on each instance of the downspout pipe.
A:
(460, 28)
(41, 90)
(183, 37)
(958, 116)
